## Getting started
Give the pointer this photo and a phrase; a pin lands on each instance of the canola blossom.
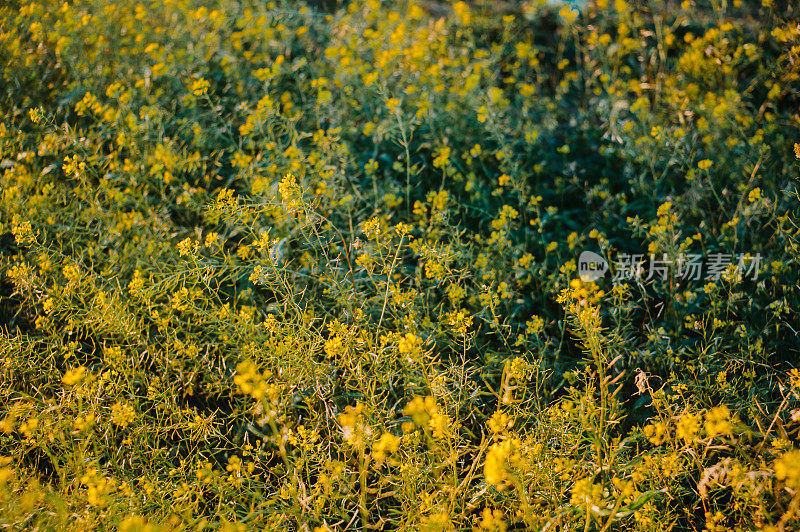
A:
(320, 265)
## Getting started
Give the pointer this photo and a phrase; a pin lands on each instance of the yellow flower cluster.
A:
(250, 380)
(312, 265)
(501, 460)
(425, 413)
(787, 469)
(122, 414)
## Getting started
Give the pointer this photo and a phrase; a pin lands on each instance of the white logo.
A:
(591, 266)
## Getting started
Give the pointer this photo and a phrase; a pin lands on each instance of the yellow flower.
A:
(500, 422)
(437, 522)
(656, 433)
(688, 426)
(787, 469)
(333, 346)
(705, 164)
(211, 239)
(186, 246)
(439, 424)
(386, 445)
(74, 167)
(136, 523)
(461, 10)
(249, 380)
(354, 428)
(568, 14)
(442, 158)
(495, 94)
(200, 87)
(393, 104)
(498, 457)
(410, 345)
(492, 520)
(122, 414)
(718, 421)
(459, 320)
(74, 376)
(23, 232)
(6, 473)
(291, 193)
(36, 115)
(426, 414)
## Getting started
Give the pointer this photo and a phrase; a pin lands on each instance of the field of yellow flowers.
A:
(316, 267)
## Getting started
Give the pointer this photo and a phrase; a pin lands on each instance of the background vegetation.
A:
(267, 266)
